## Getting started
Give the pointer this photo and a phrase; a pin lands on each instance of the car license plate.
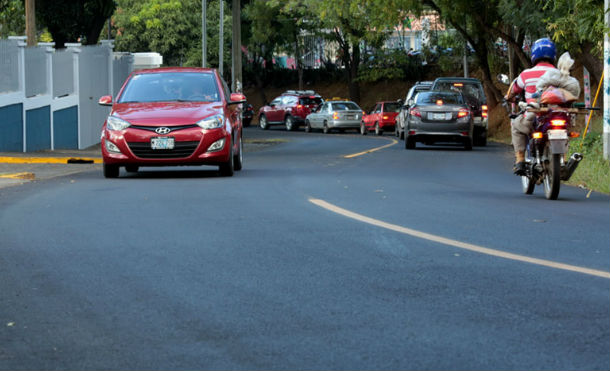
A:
(557, 134)
(162, 143)
(350, 117)
(437, 116)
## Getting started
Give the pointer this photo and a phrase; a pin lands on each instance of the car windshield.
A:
(391, 107)
(432, 97)
(310, 101)
(345, 106)
(469, 89)
(171, 86)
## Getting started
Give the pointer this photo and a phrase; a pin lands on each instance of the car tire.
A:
(481, 140)
(228, 168)
(238, 159)
(378, 130)
(289, 122)
(325, 128)
(111, 171)
(132, 168)
(307, 126)
(262, 122)
(409, 142)
(396, 131)
(363, 130)
(247, 122)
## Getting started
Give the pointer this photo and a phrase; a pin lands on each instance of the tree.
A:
(578, 25)
(351, 23)
(71, 20)
(171, 28)
(12, 18)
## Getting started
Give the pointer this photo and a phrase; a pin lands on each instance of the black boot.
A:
(519, 168)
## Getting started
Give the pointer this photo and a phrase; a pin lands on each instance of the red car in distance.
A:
(381, 118)
(289, 109)
(173, 116)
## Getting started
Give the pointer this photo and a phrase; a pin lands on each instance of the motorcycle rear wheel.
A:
(552, 177)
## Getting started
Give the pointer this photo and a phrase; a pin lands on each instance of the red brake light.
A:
(558, 123)
(439, 102)
(463, 113)
(415, 112)
(537, 135)
(299, 106)
(386, 117)
(484, 107)
(458, 84)
(335, 116)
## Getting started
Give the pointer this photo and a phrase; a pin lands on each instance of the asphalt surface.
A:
(179, 268)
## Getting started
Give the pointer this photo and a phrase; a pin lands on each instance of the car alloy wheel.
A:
(262, 122)
(289, 123)
(325, 129)
(362, 128)
(307, 126)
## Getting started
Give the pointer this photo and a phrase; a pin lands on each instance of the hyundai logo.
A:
(163, 130)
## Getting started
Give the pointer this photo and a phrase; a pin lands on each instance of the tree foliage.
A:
(73, 20)
(171, 28)
(12, 18)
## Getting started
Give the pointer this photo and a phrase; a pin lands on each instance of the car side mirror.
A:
(106, 100)
(237, 98)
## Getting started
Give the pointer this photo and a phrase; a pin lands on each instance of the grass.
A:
(593, 172)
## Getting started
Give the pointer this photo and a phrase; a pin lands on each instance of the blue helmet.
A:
(543, 49)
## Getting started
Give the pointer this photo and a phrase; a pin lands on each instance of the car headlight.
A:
(115, 123)
(212, 122)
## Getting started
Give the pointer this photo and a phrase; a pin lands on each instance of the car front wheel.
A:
(262, 122)
(111, 171)
(228, 168)
(289, 122)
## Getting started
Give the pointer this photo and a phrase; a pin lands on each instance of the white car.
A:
(401, 119)
(340, 115)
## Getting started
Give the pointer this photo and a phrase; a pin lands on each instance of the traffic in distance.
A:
(456, 112)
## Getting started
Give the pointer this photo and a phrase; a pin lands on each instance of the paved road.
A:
(394, 259)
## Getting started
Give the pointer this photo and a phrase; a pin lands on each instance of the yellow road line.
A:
(458, 244)
(25, 175)
(48, 160)
(394, 141)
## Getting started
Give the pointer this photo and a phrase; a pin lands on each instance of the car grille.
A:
(181, 149)
(171, 128)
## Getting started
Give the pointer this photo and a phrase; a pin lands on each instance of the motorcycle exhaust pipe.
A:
(571, 166)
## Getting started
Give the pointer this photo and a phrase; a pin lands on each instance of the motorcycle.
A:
(548, 145)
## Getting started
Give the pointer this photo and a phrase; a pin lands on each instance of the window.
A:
(432, 97)
(391, 107)
(345, 106)
(171, 86)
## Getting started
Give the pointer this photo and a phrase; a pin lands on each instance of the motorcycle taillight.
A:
(558, 123)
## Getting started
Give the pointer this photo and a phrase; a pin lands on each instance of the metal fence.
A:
(9, 66)
(63, 73)
(48, 97)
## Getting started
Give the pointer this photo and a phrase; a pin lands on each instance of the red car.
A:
(173, 116)
(289, 109)
(381, 118)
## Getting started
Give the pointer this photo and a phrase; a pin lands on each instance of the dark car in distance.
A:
(472, 90)
(289, 109)
(247, 114)
(439, 116)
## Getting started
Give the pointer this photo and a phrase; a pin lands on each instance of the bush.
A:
(594, 171)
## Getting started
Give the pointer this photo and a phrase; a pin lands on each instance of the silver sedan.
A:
(338, 115)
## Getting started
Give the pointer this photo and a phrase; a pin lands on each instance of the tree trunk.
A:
(493, 94)
(354, 86)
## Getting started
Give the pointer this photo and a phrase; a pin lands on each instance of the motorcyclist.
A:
(543, 57)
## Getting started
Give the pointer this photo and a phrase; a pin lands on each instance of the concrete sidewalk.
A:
(19, 167)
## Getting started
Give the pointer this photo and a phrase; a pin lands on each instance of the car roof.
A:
(460, 79)
(174, 69)
(302, 93)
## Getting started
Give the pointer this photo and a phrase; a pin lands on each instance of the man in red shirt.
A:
(543, 57)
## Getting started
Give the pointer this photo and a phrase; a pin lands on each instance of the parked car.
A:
(402, 115)
(473, 92)
(381, 118)
(172, 116)
(335, 114)
(289, 109)
(247, 114)
(439, 116)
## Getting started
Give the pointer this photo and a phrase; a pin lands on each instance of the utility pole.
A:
(30, 22)
(606, 83)
(236, 68)
(204, 34)
(221, 37)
